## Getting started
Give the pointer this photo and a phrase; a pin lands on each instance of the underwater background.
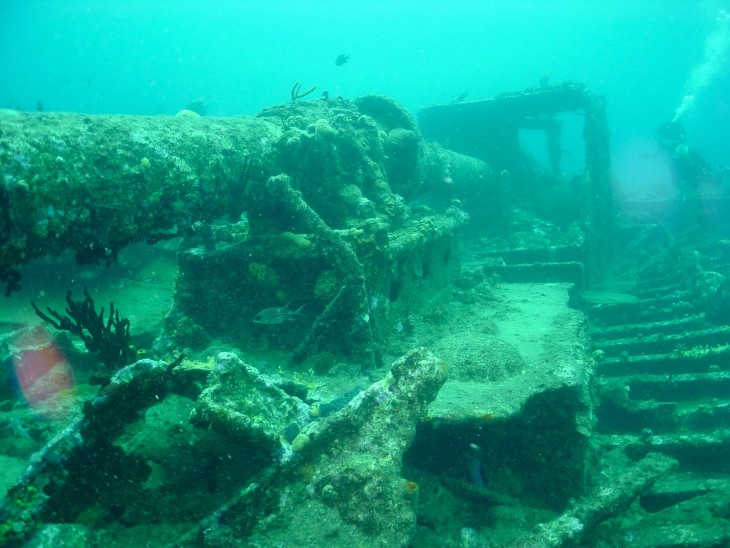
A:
(139, 57)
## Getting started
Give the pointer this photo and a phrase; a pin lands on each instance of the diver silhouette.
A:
(689, 167)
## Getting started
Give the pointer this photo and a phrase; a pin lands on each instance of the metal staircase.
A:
(663, 385)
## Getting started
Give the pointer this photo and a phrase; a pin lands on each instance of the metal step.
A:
(667, 327)
(658, 343)
(568, 272)
(692, 360)
(618, 414)
(706, 451)
(662, 308)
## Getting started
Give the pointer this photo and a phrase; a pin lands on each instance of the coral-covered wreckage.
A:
(317, 244)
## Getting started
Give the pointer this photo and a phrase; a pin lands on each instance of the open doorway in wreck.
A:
(550, 210)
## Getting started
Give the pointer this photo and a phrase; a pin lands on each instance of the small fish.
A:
(461, 97)
(342, 59)
(278, 314)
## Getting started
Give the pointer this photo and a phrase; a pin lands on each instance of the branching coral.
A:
(110, 339)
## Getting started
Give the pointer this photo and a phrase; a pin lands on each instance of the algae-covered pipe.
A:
(94, 184)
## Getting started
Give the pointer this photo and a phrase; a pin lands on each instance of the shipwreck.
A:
(456, 371)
